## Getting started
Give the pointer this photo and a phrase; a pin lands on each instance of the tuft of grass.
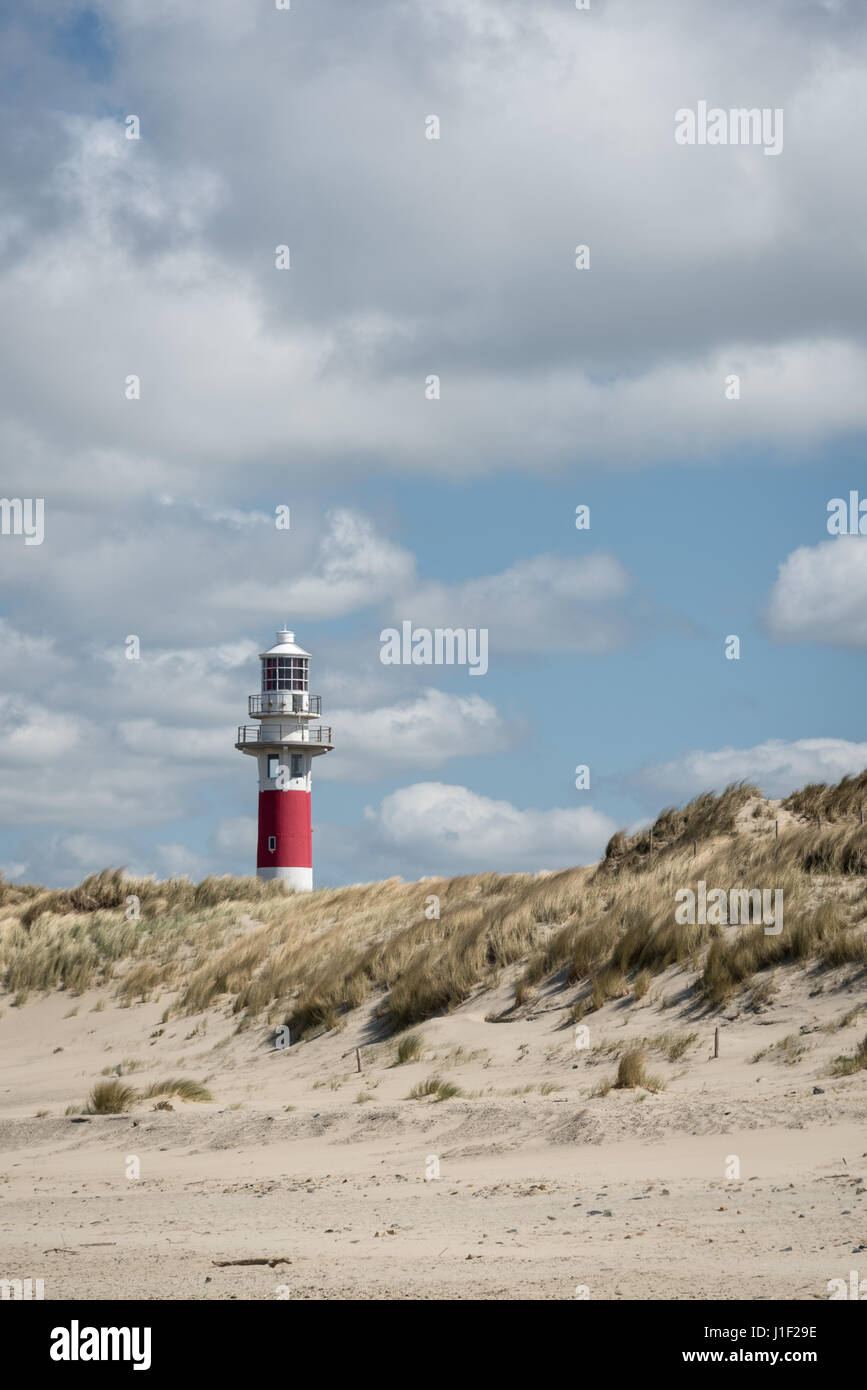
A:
(409, 1049)
(641, 984)
(124, 1066)
(674, 1045)
(855, 1061)
(610, 983)
(789, 1050)
(632, 1072)
(178, 1086)
(436, 1087)
(110, 1098)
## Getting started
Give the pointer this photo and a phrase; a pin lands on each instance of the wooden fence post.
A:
(716, 1042)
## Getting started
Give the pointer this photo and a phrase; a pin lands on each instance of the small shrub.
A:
(631, 1072)
(110, 1098)
(178, 1086)
(409, 1049)
(641, 984)
(434, 1086)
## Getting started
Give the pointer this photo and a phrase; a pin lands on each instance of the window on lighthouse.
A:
(272, 844)
(297, 765)
(284, 673)
(273, 765)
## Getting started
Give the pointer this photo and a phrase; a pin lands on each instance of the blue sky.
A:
(260, 387)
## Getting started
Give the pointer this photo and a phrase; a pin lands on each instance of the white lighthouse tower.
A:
(285, 742)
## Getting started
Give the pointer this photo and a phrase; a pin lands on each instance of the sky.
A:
(170, 379)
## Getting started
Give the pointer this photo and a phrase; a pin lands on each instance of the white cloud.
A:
(90, 852)
(191, 744)
(819, 595)
(423, 733)
(234, 836)
(547, 603)
(451, 827)
(15, 869)
(776, 766)
(355, 567)
(176, 860)
(163, 248)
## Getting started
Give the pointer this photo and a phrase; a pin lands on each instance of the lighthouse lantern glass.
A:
(284, 673)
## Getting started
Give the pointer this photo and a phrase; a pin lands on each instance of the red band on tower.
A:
(285, 815)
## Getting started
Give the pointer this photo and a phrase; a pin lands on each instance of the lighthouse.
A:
(285, 741)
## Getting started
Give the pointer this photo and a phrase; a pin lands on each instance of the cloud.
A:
(776, 766)
(355, 567)
(70, 757)
(178, 859)
(161, 250)
(235, 836)
(192, 744)
(421, 733)
(819, 595)
(451, 829)
(547, 603)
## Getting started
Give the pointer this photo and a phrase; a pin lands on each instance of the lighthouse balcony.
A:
(284, 702)
(253, 737)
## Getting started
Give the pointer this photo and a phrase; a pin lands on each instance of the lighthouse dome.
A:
(285, 645)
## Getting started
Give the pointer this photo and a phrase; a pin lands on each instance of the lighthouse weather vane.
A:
(285, 742)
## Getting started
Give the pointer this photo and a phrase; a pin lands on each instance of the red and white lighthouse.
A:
(285, 742)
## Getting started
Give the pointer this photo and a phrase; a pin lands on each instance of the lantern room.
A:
(284, 677)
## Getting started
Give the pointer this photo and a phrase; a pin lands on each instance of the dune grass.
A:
(115, 1098)
(848, 1064)
(632, 1071)
(181, 1087)
(436, 1087)
(409, 1049)
(833, 803)
(602, 933)
(109, 1098)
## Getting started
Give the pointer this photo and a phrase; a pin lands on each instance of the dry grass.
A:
(436, 1087)
(110, 1098)
(632, 1071)
(409, 1049)
(177, 1086)
(603, 933)
(832, 803)
(855, 1061)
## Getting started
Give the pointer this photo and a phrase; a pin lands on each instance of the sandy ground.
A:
(628, 1194)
